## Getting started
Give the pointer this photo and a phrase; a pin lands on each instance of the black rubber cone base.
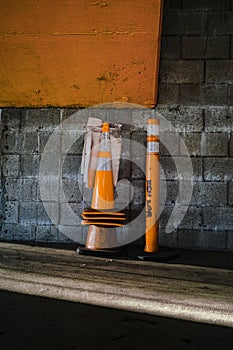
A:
(104, 253)
(160, 256)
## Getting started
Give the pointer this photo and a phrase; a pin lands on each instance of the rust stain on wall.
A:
(79, 53)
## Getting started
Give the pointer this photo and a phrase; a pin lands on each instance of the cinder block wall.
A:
(195, 95)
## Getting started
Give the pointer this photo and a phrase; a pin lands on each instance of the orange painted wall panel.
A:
(79, 53)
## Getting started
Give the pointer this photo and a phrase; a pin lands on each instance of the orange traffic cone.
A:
(102, 229)
(103, 193)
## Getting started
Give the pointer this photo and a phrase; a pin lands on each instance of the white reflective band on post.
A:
(153, 129)
(153, 147)
(104, 164)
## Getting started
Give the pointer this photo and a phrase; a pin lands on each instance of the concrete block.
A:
(73, 231)
(11, 212)
(17, 232)
(196, 239)
(230, 193)
(123, 194)
(173, 23)
(230, 240)
(219, 72)
(195, 22)
(71, 167)
(11, 118)
(231, 145)
(218, 169)
(11, 165)
(75, 119)
(172, 5)
(194, 95)
(219, 119)
(168, 239)
(30, 143)
(124, 169)
(125, 137)
(24, 232)
(215, 240)
(190, 239)
(30, 165)
(48, 216)
(29, 189)
(12, 189)
(206, 194)
(172, 191)
(181, 72)
(169, 166)
(11, 142)
(98, 111)
(28, 213)
(214, 144)
(163, 219)
(220, 23)
(51, 188)
(218, 218)
(182, 119)
(7, 232)
(192, 142)
(218, 47)
(139, 119)
(41, 119)
(43, 138)
(72, 142)
(72, 190)
(197, 170)
(230, 93)
(168, 94)
(192, 218)
(202, 5)
(68, 112)
(137, 149)
(189, 23)
(138, 200)
(73, 217)
(46, 233)
(138, 168)
(170, 47)
(170, 141)
(197, 47)
(231, 51)
(117, 115)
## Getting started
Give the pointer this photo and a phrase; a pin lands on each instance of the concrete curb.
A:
(122, 285)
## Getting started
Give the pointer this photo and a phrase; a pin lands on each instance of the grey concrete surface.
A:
(182, 291)
(29, 322)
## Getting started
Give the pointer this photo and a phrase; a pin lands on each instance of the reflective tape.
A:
(104, 164)
(153, 147)
(153, 129)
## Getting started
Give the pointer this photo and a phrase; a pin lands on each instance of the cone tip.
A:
(151, 121)
(105, 127)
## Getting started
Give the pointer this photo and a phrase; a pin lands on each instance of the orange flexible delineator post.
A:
(152, 187)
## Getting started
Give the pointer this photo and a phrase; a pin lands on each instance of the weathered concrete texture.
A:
(196, 52)
(171, 290)
(43, 320)
(204, 132)
(195, 96)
